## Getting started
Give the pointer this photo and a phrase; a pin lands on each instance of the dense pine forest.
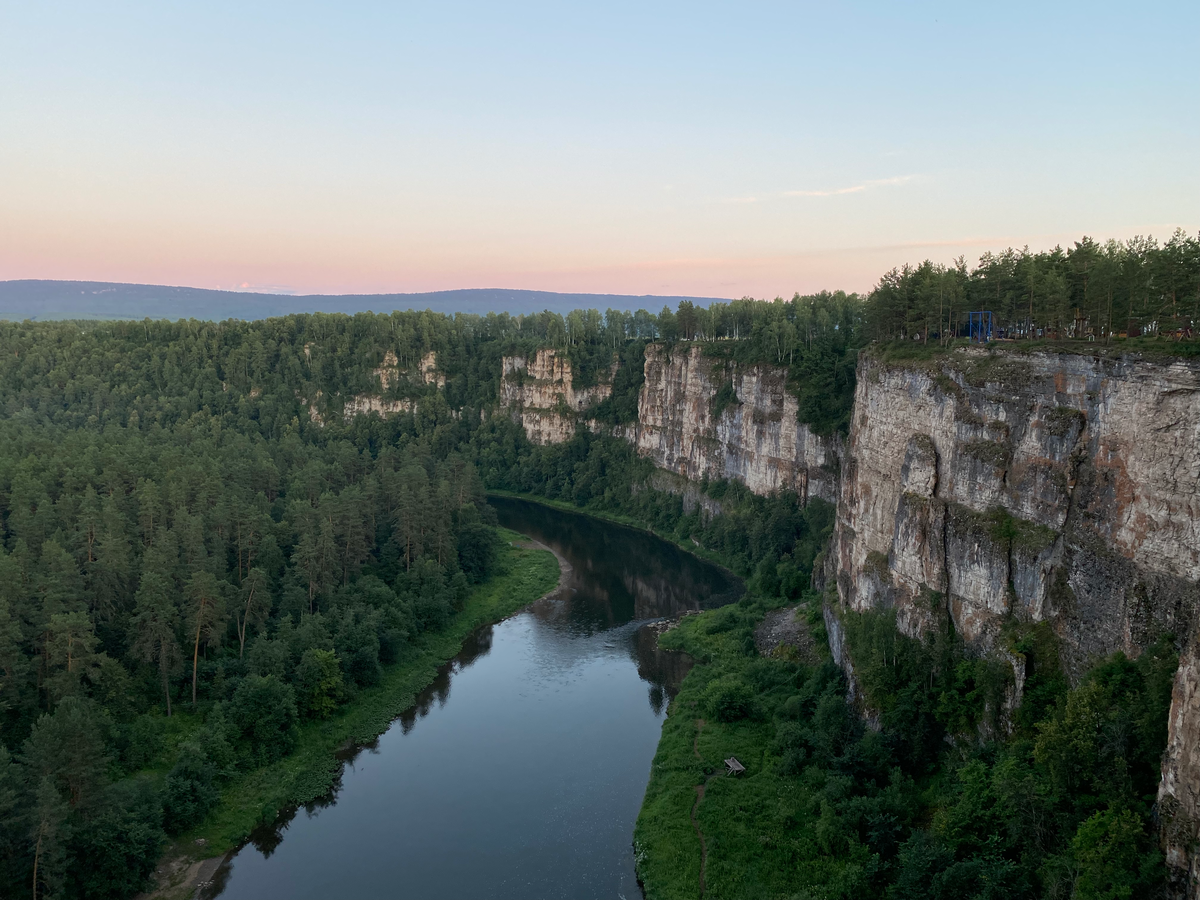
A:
(199, 552)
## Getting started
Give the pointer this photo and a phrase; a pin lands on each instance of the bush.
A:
(190, 790)
(729, 699)
(140, 742)
(263, 714)
(319, 684)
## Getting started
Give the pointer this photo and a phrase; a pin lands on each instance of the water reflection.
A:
(620, 574)
(519, 771)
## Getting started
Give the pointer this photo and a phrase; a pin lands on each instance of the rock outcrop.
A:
(540, 394)
(995, 487)
(1028, 488)
(390, 375)
(698, 417)
(701, 417)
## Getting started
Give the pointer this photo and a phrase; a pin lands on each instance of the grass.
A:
(762, 830)
(309, 772)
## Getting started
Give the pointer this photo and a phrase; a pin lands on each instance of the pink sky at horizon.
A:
(705, 149)
(765, 277)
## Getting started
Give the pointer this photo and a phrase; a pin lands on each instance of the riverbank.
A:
(698, 832)
(311, 771)
(701, 833)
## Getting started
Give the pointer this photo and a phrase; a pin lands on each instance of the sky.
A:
(719, 150)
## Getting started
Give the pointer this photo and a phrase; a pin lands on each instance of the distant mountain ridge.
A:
(41, 299)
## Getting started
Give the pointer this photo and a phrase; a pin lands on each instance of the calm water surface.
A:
(520, 771)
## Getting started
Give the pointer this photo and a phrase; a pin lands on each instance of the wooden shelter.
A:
(733, 767)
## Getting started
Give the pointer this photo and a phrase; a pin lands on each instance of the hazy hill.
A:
(39, 299)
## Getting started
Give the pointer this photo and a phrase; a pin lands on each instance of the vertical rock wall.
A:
(1002, 487)
(540, 394)
(755, 438)
(1040, 487)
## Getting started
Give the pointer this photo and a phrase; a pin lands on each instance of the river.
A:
(519, 772)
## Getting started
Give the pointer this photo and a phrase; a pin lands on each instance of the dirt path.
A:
(700, 788)
(182, 878)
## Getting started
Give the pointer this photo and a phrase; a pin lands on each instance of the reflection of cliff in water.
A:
(620, 574)
(664, 669)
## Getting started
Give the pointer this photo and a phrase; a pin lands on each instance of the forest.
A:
(200, 551)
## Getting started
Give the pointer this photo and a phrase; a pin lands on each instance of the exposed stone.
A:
(364, 404)
(391, 374)
(1039, 487)
(689, 492)
(785, 633)
(757, 440)
(540, 394)
(1179, 790)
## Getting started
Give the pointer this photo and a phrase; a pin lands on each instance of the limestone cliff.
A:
(1042, 487)
(540, 394)
(698, 417)
(754, 436)
(389, 376)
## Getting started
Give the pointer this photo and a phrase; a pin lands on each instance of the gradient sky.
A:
(685, 148)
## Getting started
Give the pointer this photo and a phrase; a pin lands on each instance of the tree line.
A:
(1090, 291)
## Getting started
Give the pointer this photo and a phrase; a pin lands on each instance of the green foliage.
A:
(114, 854)
(187, 512)
(68, 748)
(725, 397)
(1115, 858)
(730, 699)
(318, 683)
(190, 789)
(264, 717)
(936, 802)
(621, 407)
(1090, 292)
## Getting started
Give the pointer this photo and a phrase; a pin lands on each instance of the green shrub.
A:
(190, 789)
(263, 715)
(319, 684)
(729, 699)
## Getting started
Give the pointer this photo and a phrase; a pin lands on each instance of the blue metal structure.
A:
(981, 326)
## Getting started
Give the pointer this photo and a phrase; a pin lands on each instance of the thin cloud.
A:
(856, 189)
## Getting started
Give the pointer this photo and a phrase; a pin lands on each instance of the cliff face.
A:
(389, 375)
(755, 438)
(1033, 488)
(540, 393)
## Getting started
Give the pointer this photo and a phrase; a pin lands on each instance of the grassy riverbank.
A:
(309, 772)
(923, 803)
(699, 832)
